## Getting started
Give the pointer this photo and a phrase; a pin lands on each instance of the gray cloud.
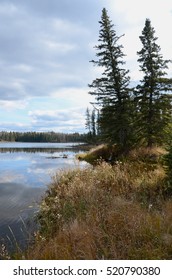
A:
(70, 9)
(59, 120)
(45, 49)
(8, 91)
(44, 46)
(15, 126)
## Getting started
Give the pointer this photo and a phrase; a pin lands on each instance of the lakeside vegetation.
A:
(119, 211)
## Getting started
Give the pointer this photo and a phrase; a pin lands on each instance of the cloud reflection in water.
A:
(24, 176)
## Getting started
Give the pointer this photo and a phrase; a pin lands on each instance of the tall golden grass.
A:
(118, 211)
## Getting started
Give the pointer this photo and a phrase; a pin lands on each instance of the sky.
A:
(45, 52)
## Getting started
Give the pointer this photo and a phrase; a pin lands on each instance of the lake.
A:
(26, 170)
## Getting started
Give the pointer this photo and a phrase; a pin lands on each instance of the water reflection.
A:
(25, 173)
(15, 199)
(18, 205)
(33, 150)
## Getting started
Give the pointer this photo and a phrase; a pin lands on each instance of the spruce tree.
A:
(88, 121)
(154, 104)
(93, 123)
(112, 88)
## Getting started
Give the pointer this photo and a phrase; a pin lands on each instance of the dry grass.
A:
(148, 155)
(105, 152)
(125, 232)
(106, 212)
(98, 153)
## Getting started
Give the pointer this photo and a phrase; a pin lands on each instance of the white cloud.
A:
(129, 19)
(9, 89)
(69, 28)
(13, 105)
(23, 68)
(134, 11)
(58, 120)
(76, 96)
(63, 48)
(14, 126)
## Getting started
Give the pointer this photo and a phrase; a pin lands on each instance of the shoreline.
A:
(103, 212)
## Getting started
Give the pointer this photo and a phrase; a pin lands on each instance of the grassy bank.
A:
(119, 211)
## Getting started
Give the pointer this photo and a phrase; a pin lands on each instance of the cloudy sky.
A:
(45, 49)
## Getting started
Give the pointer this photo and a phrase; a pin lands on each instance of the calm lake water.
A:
(26, 170)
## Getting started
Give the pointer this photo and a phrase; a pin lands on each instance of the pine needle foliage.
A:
(154, 102)
(112, 88)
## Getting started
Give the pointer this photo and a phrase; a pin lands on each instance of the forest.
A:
(42, 137)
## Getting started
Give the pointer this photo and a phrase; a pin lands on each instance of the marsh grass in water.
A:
(11, 247)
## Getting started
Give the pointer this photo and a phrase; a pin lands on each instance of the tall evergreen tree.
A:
(88, 121)
(154, 103)
(112, 88)
(90, 125)
(93, 123)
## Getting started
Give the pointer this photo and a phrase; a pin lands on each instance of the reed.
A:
(119, 211)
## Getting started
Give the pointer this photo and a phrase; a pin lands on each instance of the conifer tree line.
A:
(129, 116)
(41, 137)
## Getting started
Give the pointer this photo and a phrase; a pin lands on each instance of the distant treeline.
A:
(42, 137)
